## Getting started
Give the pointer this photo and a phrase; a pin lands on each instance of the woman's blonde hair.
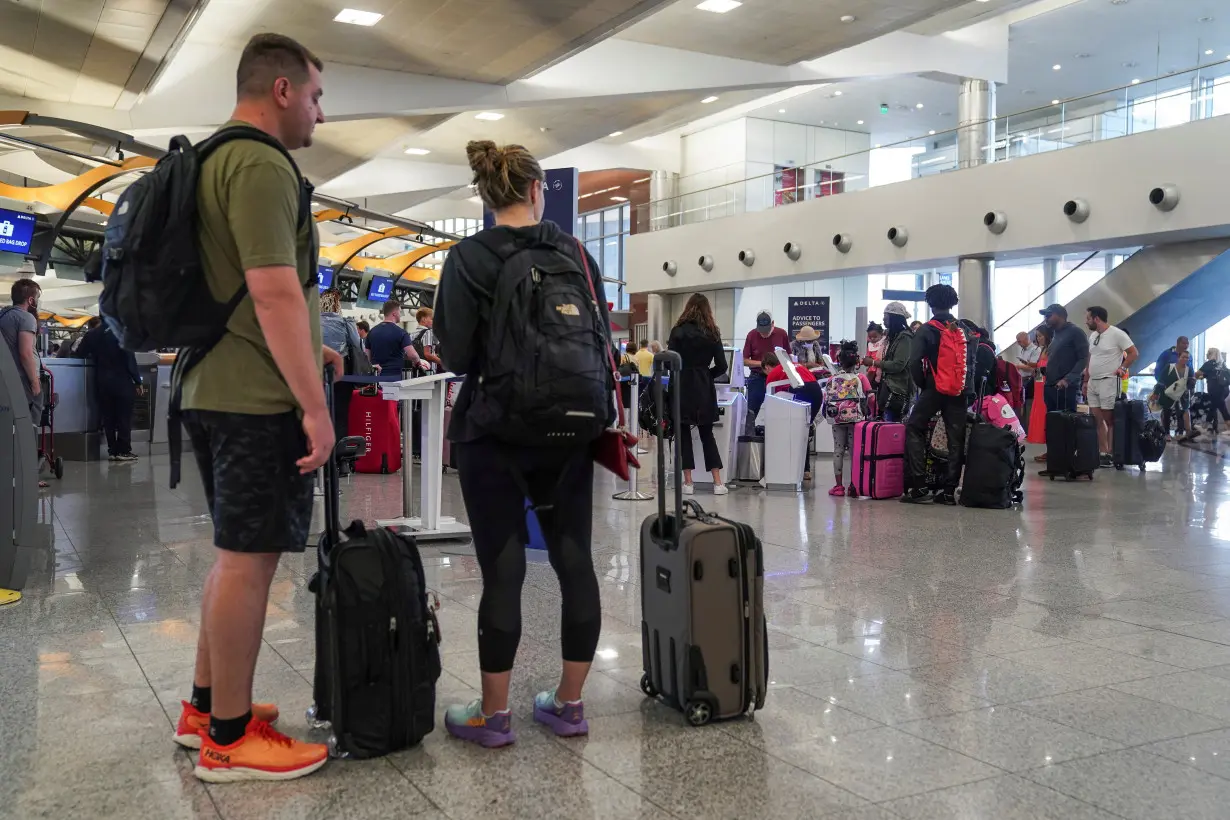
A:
(502, 176)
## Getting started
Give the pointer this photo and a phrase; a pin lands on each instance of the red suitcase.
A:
(879, 459)
(376, 420)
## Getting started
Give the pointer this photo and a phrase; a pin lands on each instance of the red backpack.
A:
(954, 364)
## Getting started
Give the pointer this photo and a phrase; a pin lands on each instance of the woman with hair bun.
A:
(503, 460)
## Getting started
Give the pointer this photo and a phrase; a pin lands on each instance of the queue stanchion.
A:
(634, 427)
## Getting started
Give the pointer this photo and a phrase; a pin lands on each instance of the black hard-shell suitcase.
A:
(703, 634)
(994, 467)
(1130, 418)
(1071, 445)
(377, 638)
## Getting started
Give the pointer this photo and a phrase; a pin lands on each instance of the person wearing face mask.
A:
(895, 389)
(19, 326)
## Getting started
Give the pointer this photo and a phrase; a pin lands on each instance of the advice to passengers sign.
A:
(809, 310)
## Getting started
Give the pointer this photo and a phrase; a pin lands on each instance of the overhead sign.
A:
(809, 310)
(324, 277)
(16, 231)
(380, 289)
(561, 187)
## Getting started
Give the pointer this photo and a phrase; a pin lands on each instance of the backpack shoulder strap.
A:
(247, 132)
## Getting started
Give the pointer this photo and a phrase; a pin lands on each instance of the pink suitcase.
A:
(879, 459)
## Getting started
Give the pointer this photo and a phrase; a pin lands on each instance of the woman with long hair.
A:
(498, 470)
(1037, 413)
(698, 342)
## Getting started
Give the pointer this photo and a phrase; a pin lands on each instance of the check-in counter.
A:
(78, 435)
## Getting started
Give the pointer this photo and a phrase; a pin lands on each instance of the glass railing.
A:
(1173, 99)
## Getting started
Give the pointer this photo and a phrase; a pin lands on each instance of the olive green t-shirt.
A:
(248, 200)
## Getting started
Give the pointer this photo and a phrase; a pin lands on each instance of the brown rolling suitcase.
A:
(704, 639)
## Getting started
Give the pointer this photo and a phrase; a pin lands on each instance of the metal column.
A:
(663, 201)
(975, 123)
(659, 327)
(974, 286)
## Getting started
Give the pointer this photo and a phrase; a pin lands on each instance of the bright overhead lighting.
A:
(877, 145)
(860, 122)
(491, 116)
(932, 133)
(358, 18)
(616, 134)
(1054, 102)
(418, 152)
(781, 111)
(836, 93)
(1135, 82)
(1056, 67)
(1208, 51)
(719, 6)
(848, 18)
(920, 105)
(620, 198)
(708, 100)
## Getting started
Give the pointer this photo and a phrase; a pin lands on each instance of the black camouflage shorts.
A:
(258, 499)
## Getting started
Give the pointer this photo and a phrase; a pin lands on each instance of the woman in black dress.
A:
(698, 342)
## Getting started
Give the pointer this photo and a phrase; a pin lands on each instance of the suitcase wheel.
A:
(698, 712)
(647, 686)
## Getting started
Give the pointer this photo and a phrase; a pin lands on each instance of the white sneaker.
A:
(689, 489)
(721, 489)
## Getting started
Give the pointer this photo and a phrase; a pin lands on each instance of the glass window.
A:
(626, 218)
(593, 225)
(1016, 300)
(1071, 287)
(610, 222)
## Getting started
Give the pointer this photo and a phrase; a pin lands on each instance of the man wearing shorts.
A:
(1111, 354)
(255, 408)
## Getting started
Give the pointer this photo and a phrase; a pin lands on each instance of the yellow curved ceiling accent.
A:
(328, 215)
(64, 194)
(403, 261)
(345, 250)
(100, 205)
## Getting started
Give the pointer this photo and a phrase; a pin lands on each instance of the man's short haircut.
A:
(389, 307)
(364, 326)
(23, 289)
(1098, 312)
(423, 313)
(644, 344)
(942, 297)
(269, 56)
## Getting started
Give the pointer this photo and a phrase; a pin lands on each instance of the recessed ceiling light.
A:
(1135, 82)
(878, 145)
(932, 133)
(1054, 102)
(418, 152)
(848, 18)
(719, 6)
(616, 134)
(919, 105)
(1056, 67)
(860, 122)
(836, 93)
(781, 111)
(490, 116)
(358, 18)
(620, 198)
(708, 100)
(1208, 51)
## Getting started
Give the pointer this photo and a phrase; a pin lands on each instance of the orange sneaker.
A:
(193, 722)
(263, 753)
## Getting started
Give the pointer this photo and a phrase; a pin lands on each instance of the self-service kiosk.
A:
(19, 497)
(732, 414)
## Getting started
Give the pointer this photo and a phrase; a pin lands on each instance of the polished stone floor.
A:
(1068, 661)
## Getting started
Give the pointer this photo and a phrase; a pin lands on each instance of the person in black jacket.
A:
(698, 342)
(498, 478)
(116, 384)
(941, 299)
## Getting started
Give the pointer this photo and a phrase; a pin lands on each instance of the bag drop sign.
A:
(16, 231)
(809, 310)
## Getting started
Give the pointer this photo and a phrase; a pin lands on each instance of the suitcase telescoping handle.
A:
(667, 362)
(348, 448)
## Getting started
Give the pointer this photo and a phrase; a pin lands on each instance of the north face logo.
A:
(568, 309)
(214, 757)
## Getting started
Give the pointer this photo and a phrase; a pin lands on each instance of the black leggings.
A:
(713, 459)
(563, 479)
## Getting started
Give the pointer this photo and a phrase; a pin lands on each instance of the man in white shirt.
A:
(1111, 354)
(1027, 365)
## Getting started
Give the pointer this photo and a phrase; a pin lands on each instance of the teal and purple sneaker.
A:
(467, 722)
(565, 719)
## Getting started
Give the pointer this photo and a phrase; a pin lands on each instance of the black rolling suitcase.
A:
(1130, 419)
(1071, 445)
(377, 639)
(703, 634)
(994, 467)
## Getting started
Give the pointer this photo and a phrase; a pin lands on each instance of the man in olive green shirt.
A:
(255, 408)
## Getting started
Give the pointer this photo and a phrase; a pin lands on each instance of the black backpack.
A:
(545, 378)
(155, 294)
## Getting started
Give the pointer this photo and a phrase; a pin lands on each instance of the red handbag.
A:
(615, 449)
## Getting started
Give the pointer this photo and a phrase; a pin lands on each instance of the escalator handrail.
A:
(1048, 289)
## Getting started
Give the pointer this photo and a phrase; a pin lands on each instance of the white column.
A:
(976, 123)
(974, 286)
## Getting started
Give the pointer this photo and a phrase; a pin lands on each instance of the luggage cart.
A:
(47, 426)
